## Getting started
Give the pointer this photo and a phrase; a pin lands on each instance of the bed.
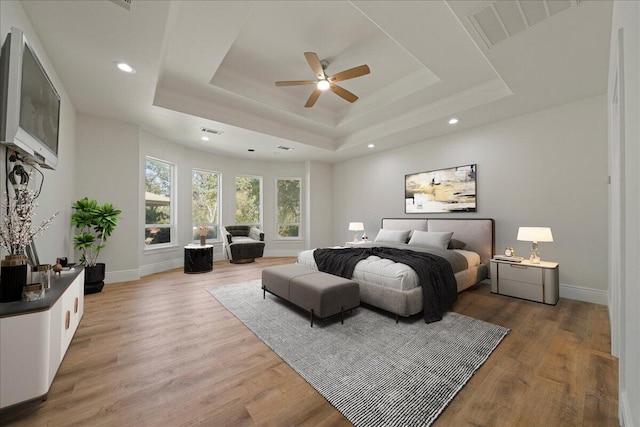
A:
(393, 287)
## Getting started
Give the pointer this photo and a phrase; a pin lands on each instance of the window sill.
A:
(288, 240)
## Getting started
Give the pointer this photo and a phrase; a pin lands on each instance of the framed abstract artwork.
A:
(441, 191)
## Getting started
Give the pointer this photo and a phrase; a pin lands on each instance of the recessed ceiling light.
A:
(205, 138)
(371, 146)
(123, 66)
(453, 121)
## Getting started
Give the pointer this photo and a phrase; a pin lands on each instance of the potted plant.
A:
(96, 223)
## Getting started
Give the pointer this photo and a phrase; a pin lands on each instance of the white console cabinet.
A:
(34, 337)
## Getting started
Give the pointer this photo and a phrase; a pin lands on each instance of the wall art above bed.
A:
(441, 191)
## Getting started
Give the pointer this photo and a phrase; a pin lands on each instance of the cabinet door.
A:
(72, 306)
(24, 365)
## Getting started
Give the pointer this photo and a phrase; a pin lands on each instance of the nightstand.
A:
(359, 242)
(535, 282)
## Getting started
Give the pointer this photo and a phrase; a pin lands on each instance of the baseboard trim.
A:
(580, 293)
(159, 267)
(281, 252)
(121, 276)
(625, 411)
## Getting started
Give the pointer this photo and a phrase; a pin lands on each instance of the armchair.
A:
(242, 243)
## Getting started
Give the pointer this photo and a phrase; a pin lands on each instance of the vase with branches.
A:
(17, 232)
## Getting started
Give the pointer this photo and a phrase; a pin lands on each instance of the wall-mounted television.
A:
(30, 115)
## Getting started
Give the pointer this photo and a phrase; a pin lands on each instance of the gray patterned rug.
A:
(374, 371)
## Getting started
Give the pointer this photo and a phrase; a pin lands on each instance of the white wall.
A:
(543, 169)
(58, 190)
(108, 173)
(625, 293)
(320, 202)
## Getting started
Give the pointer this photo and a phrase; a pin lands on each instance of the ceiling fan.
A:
(324, 82)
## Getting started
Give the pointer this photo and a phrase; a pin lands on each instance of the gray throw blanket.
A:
(439, 288)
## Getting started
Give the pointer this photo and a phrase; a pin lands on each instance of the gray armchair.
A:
(242, 243)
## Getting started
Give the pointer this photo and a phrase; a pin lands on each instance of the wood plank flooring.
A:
(162, 351)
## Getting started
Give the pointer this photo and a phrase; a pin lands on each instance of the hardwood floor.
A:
(162, 351)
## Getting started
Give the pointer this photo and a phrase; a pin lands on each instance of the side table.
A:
(535, 282)
(198, 259)
(359, 242)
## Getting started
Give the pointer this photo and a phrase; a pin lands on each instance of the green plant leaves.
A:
(96, 223)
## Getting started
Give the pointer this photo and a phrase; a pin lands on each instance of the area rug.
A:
(372, 370)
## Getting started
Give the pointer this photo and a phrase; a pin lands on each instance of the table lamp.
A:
(356, 226)
(535, 235)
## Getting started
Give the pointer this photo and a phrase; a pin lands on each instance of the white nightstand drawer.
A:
(514, 288)
(520, 273)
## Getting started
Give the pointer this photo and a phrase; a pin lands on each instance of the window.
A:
(249, 200)
(159, 215)
(288, 207)
(205, 202)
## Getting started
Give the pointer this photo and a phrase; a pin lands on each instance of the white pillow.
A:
(431, 238)
(392, 236)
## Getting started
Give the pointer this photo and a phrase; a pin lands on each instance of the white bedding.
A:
(385, 272)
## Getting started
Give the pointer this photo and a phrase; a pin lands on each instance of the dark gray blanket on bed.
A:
(439, 289)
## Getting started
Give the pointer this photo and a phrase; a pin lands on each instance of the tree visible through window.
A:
(205, 188)
(158, 201)
(249, 200)
(288, 206)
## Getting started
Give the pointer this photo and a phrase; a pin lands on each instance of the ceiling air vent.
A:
(282, 147)
(123, 3)
(213, 131)
(499, 20)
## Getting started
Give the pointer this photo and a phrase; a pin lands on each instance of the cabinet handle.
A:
(67, 320)
(75, 305)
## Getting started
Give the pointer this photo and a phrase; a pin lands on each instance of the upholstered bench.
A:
(322, 294)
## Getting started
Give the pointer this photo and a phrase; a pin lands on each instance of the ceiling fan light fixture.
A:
(323, 84)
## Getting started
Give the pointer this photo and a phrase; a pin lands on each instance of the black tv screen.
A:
(39, 104)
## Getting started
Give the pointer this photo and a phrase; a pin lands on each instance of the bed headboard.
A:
(478, 234)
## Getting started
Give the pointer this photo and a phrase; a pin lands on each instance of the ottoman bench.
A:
(323, 295)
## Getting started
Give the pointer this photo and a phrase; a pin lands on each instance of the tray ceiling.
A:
(213, 64)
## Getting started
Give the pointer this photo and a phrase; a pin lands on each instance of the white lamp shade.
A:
(535, 234)
(356, 226)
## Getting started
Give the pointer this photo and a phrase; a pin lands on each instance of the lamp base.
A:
(535, 255)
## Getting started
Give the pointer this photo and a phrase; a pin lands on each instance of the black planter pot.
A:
(94, 278)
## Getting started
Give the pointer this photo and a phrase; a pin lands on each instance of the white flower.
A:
(16, 230)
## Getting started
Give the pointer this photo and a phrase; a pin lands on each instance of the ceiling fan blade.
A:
(350, 73)
(296, 82)
(314, 63)
(343, 93)
(313, 98)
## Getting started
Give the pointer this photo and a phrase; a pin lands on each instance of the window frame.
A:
(235, 198)
(173, 211)
(277, 223)
(219, 225)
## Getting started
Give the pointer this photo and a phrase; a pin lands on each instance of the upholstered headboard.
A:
(478, 234)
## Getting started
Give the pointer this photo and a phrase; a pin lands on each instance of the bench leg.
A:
(342, 315)
(396, 319)
(312, 317)
(264, 293)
